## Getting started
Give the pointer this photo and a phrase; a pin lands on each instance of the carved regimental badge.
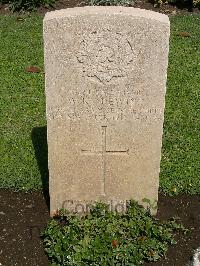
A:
(105, 56)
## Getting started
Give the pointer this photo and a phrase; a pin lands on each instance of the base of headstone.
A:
(114, 205)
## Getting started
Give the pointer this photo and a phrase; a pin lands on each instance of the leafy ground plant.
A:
(28, 5)
(111, 2)
(107, 238)
(193, 3)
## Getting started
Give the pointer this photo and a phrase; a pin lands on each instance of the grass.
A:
(180, 165)
(22, 103)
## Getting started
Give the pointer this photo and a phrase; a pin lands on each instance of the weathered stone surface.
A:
(105, 87)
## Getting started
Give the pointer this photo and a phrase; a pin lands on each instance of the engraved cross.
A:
(103, 152)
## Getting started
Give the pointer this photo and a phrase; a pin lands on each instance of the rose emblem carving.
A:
(105, 56)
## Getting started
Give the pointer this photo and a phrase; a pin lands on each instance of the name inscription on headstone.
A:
(107, 104)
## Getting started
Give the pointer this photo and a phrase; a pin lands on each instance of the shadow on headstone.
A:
(39, 140)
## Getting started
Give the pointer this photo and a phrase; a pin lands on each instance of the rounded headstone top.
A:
(106, 11)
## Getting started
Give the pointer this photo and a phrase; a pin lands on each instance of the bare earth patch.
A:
(24, 215)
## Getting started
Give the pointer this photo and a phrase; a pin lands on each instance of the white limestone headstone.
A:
(106, 70)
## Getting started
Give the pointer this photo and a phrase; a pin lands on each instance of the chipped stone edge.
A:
(195, 259)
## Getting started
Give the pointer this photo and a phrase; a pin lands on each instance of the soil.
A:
(23, 216)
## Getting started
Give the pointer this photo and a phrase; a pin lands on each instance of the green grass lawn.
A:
(22, 103)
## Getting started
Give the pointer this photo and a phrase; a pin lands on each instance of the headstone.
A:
(106, 71)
